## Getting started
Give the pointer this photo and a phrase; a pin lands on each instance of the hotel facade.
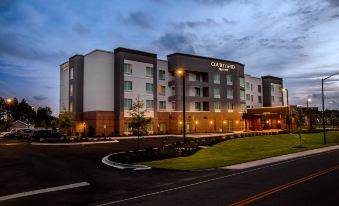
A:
(99, 88)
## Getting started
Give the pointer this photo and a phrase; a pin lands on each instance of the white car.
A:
(3, 134)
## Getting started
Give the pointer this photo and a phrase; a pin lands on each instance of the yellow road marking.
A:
(284, 186)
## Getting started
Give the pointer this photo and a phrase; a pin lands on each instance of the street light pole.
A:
(181, 73)
(323, 103)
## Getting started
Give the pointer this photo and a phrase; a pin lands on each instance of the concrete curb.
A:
(270, 160)
(122, 166)
(73, 143)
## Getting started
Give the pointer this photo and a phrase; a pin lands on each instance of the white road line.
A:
(206, 181)
(51, 189)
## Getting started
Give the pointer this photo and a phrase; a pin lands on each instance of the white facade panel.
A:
(252, 85)
(99, 81)
(139, 80)
(276, 94)
(64, 88)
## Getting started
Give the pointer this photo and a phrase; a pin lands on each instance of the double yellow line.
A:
(282, 187)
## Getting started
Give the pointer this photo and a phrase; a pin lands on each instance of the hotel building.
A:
(99, 88)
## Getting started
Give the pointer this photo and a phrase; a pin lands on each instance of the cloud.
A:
(24, 47)
(173, 42)
(40, 97)
(195, 24)
(81, 29)
(139, 18)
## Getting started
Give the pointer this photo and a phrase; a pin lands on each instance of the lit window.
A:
(128, 69)
(71, 90)
(71, 74)
(173, 105)
(230, 106)
(70, 105)
(128, 86)
(149, 104)
(127, 104)
(149, 71)
(217, 106)
(242, 107)
(162, 90)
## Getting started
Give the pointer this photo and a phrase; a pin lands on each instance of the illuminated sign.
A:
(222, 66)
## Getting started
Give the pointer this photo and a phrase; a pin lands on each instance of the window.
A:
(217, 78)
(252, 87)
(128, 87)
(242, 95)
(242, 107)
(229, 92)
(197, 77)
(71, 90)
(127, 104)
(247, 86)
(162, 90)
(197, 92)
(217, 106)
(259, 99)
(162, 105)
(149, 104)
(248, 97)
(128, 69)
(173, 91)
(259, 88)
(242, 81)
(70, 105)
(197, 106)
(149, 88)
(281, 99)
(251, 98)
(216, 92)
(230, 106)
(173, 105)
(272, 98)
(272, 88)
(71, 74)
(229, 79)
(149, 71)
(161, 75)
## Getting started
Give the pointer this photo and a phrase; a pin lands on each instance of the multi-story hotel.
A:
(100, 87)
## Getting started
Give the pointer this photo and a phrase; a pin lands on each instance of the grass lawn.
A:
(245, 149)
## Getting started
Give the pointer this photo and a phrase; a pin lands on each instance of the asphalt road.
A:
(25, 167)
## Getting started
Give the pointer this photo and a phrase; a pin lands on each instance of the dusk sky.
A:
(295, 40)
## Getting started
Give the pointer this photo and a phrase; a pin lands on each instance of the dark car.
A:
(47, 135)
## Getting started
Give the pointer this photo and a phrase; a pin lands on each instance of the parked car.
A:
(47, 135)
(11, 134)
(24, 133)
(3, 134)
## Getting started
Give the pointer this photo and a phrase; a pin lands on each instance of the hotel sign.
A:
(222, 66)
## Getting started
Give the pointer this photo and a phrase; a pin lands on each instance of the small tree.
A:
(65, 121)
(300, 123)
(139, 121)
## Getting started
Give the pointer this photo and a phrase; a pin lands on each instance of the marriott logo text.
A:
(222, 65)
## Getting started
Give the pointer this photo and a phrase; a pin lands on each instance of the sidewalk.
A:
(271, 160)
